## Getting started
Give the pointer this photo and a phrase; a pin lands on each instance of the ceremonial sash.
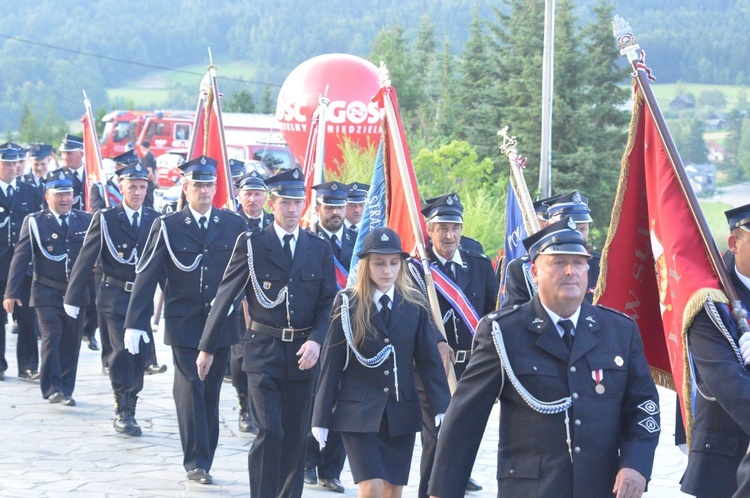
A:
(341, 274)
(456, 297)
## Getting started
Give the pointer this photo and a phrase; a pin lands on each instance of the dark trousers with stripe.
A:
(61, 344)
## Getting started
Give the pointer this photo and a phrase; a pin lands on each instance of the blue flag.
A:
(374, 214)
(515, 232)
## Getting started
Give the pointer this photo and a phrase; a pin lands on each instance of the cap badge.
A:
(203, 160)
(295, 174)
(37, 148)
(384, 238)
(571, 224)
(354, 186)
(577, 197)
(334, 187)
(61, 176)
(449, 201)
(138, 167)
(253, 174)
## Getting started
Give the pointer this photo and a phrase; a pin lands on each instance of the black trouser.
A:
(101, 321)
(61, 343)
(3, 321)
(90, 318)
(197, 404)
(329, 461)
(281, 410)
(27, 345)
(125, 369)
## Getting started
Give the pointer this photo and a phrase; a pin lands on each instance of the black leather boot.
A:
(123, 422)
(246, 422)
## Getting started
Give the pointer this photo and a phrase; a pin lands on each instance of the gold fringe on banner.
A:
(601, 284)
(692, 308)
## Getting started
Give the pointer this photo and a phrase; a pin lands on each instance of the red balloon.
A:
(351, 82)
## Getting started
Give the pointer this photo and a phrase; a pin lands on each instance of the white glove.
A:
(745, 348)
(132, 340)
(72, 311)
(321, 435)
(439, 419)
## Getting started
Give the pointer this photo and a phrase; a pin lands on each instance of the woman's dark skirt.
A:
(379, 455)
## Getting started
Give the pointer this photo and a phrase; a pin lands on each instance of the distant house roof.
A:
(681, 102)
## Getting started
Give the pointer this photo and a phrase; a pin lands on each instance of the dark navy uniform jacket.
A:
(312, 286)
(721, 427)
(188, 295)
(610, 429)
(477, 280)
(125, 240)
(32, 180)
(55, 241)
(353, 399)
(25, 200)
(266, 219)
(348, 238)
(519, 288)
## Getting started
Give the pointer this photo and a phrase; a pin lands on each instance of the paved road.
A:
(735, 195)
(52, 450)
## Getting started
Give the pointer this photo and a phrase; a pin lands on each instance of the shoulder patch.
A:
(476, 254)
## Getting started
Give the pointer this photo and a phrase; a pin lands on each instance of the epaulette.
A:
(107, 209)
(595, 254)
(601, 306)
(169, 215)
(501, 313)
(233, 213)
(254, 232)
(476, 254)
(150, 209)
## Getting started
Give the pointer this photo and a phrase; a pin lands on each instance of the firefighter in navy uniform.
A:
(519, 287)
(580, 411)
(51, 239)
(252, 197)
(331, 205)
(17, 199)
(288, 277)
(27, 345)
(721, 422)
(355, 205)
(115, 241)
(324, 466)
(189, 248)
(472, 272)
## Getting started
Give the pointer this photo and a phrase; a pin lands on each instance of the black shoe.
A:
(311, 476)
(473, 485)
(105, 370)
(200, 475)
(332, 484)
(69, 401)
(155, 369)
(28, 375)
(56, 397)
(91, 341)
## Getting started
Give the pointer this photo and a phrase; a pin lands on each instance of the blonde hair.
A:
(360, 299)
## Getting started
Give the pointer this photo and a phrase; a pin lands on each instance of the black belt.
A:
(126, 286)
(50, 283)
(462, 355)
(285, 334)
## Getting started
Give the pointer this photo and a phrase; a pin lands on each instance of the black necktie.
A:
(335, 245)
(450, 267)
(63, 222)
(202, 222)
(10, 192)
(135, 221)
(253, 222)
(288, 246)
(385, 311)
(568, 327)
(354, 228)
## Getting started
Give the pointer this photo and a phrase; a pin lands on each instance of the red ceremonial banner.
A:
(92, 157)
(654, 266)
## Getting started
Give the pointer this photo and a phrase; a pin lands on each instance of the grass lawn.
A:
(142, 98)
(665, 93)
(717, 222)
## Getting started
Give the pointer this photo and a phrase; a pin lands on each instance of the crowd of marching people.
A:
(326, 371)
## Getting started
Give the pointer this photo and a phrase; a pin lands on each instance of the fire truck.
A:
(122, 127)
